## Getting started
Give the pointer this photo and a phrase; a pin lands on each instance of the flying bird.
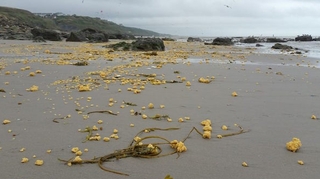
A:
(228, 6)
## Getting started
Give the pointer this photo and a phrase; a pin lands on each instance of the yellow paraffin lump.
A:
(75, 149)
(150, 106)
(206, 135)
(293, 145)
(24, 160)
(6, 121)
(207, 128)
(97, 137)
(206, 122)
(234, 94)
(224, 127)
(77, 159)
(204, 80)
(244, 164)
(188, 83)
(33, 88)
(32, 74)
(39, 162)
(179, 146)
(83, 88)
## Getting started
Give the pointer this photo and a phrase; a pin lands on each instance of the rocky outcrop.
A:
(46, 34)
(249, 40)
(221, 41)
(90, 35)
(143, 44)
(275, 40)
(168, 39)
(148, 44)
(282, 47)
(120, 46)
(76, 37)
(10, 28)
(193, 39)
(122, 36)
(39, 39)
(304, 38)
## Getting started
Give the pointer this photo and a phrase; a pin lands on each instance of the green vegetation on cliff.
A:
(19, 17)
(23, 17)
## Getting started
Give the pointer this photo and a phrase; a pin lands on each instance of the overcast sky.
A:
(194, 17)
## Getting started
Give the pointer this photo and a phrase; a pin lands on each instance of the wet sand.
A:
(276, 99)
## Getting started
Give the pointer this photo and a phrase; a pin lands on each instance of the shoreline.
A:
(274, 102)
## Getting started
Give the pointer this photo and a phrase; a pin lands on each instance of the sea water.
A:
(309, 49)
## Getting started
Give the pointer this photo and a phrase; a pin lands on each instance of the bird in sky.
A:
(227, 6)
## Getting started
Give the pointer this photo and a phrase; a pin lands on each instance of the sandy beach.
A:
(276, 97)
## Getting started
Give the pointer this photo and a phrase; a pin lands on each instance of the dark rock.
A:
(144, 44)
(122, 36)
(249, 40)
(274, 40)
(221, 41)
(76, 37)
(46, 34)
(192, 39)
(168, 39)
(90, 35)
(65, 34)
(304, 37)
(316, 39)
(282, 47)
(259, 45)
(148, 44)
(39, 39)
(120, 46)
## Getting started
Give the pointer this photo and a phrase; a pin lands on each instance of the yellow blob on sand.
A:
(294, 145)
(39, 162)
(234, 94)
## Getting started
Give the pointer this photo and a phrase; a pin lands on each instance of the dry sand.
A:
(276, 99)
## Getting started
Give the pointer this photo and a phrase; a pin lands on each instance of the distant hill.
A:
(14, 20)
